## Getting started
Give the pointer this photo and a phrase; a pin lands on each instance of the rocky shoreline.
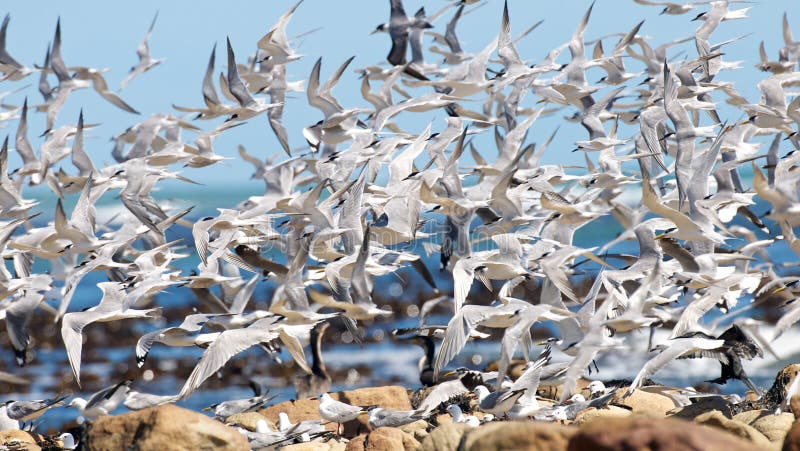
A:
(646, 419)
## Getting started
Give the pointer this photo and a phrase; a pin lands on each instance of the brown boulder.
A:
(248, 421)
(718, 420)
(517, 435)
(383, 439)
(445, 438)
(163, 427)
(645, 402)
(664, 434)
(593, 413)
(389, 397)
(417, 429)
(774, 427)
(316, 445)
(701, 406)
(16, 439)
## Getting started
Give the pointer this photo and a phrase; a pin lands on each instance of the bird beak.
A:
(449, 373)
(659, 236)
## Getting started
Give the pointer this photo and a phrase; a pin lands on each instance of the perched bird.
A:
(337, 411)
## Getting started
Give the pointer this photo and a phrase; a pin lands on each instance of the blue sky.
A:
(105, 35)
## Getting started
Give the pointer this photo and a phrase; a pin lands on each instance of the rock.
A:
(774, 427)
(316, 445)
(792, 440)
(794, 404)
(16, 439)
(417, 429)
(248, 421)
(554, 391)
(592, 413)
(390, 397)
(163, 427)
(749, 416)
(701, 406)
(383, 439)
(718, 420)
(645, 403)
(445, 438)
(518, 435)
(663, 434)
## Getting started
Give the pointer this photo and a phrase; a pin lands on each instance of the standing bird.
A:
(399, 27)
(27, 411)
(338, 412)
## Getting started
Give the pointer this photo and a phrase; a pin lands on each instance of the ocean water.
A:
(377, 362)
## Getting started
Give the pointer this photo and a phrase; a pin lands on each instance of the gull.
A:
(671, 8)
(527, 404)
(231, 407)
(459, 417)
(380, 417)
(181, 335)
(230, 343)
(27, 411)
(11, 202)
(301, 427)
(136, 400)
(576, 404)
(445, 390)
(276, 44)
(99, 84)
(67, 441)
(109, 309)
(18, 316)
(498, 402)
(677, 347)
(356, 294)
(249, 107)
(399, 27)
(66, 83)
(146, 62)
(214, 107)
(30, 163)
(102, 402)
(337, 412)
(11, 68)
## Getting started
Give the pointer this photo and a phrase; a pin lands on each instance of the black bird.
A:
(398, 27)
(737, 346)
(319, 381)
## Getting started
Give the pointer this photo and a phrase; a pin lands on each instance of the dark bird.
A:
(399, 27)
(319, 381)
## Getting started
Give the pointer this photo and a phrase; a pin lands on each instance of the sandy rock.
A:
(554, 391)
(517, 435)
(749, 416)
(718, 420)
(445, 438)
(16, 439)
(390, 397)
(645, 403)
(164, 427)
(592, 414)
(774, 427)
(702, 406)
(663, 434)
(383, 439)
(316, 445)
(248, 421)
(417, 429)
